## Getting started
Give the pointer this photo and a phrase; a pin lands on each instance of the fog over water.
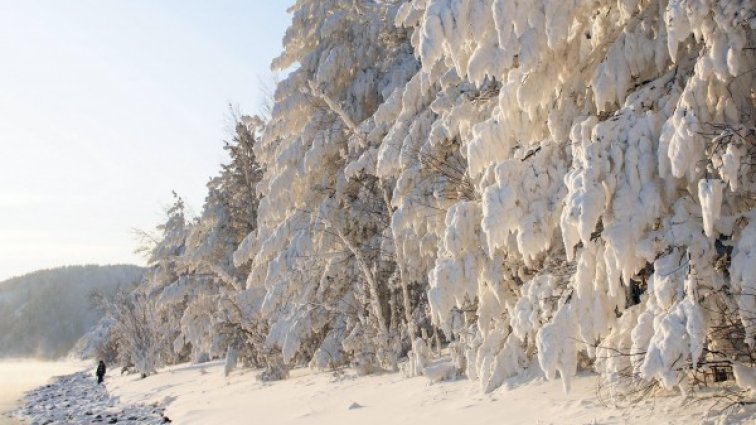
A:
(20, 376)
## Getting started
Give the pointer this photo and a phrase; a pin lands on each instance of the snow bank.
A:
(202, 395)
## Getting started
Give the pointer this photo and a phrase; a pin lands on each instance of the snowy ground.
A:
(200, 394)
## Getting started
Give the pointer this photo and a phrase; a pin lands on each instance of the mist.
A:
(46, 312)
(18, 376)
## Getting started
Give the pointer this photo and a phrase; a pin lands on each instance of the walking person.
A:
(100, 372)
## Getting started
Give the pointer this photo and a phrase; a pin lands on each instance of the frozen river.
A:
(19, 376)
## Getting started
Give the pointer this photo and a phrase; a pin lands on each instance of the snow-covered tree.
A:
(192, 289)
(166, 274)
(318, 250)
(135, 333)
(551, 184)
(212, 320)
(595, 141)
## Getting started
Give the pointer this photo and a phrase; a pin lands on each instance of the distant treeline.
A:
(43, 314)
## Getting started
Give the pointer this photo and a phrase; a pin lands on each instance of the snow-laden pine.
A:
(532, 185)
(590, 216)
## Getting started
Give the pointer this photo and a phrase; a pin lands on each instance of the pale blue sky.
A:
(108, 105)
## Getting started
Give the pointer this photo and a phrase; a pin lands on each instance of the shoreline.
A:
(18, 377)
(8, 406)
(5, 413)
(78, 399)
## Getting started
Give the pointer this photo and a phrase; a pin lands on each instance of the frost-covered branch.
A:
(337, 109)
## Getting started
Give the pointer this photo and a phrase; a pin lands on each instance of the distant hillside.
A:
(44, 313)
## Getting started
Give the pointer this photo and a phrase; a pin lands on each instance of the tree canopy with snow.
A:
(533, 186)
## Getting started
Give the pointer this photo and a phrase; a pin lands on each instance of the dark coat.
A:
(101, 369)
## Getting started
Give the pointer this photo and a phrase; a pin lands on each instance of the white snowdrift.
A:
(202, 395)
